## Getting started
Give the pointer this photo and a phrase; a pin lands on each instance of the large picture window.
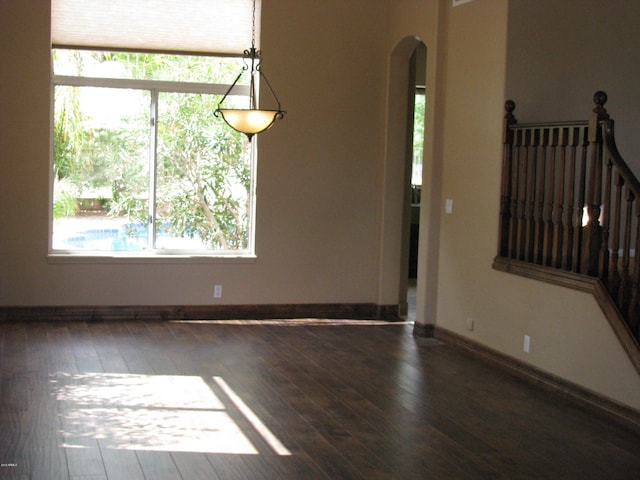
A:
(140, 163)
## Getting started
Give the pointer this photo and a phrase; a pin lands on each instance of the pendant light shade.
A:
(252, 120)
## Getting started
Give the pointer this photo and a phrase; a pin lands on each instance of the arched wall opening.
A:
(407, 69)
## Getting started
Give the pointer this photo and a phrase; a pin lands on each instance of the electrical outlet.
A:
(527, 344)
(217, 291)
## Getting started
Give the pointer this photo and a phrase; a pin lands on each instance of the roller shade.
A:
(186, 26)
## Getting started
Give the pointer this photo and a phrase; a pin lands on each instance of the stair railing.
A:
(570, 202)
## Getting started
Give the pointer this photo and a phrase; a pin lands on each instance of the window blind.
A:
(185, 26)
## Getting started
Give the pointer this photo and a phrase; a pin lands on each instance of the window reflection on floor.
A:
(155, 412)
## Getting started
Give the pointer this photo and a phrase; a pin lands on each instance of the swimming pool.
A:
(109, 234)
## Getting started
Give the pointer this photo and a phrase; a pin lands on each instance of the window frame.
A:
(154, 87)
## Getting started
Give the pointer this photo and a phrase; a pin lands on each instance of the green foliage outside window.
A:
(200, 176)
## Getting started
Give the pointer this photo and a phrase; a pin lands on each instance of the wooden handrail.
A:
(570, 202)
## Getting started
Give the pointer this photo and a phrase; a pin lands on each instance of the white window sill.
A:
(155, 258)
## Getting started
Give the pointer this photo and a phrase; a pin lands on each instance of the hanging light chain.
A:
(253, 26)
(252, 120)
(253, 53)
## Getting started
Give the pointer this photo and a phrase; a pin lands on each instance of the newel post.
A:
(505, 188)
(592, 233)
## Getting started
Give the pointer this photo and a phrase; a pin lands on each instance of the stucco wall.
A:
(319, 171)
(569, 335)
(561, 52)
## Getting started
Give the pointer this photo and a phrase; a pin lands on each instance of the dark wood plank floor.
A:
(295, 400)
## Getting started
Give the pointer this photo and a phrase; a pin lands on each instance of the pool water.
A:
(117, 237)
(107, 239)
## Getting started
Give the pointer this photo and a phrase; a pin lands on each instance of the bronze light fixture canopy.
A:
(252, 120)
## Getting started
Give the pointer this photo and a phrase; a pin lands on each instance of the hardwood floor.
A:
(281, 400)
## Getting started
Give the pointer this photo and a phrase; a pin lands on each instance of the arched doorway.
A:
(407, 74)
(413, 200)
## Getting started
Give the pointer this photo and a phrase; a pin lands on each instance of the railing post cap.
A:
(509, 106)
(600, 98)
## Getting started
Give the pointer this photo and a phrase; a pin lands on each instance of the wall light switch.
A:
(448, 206)
(217, 291)
(527, 343)
(470, 324)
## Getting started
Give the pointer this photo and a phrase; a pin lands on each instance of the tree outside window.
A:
(139, 160)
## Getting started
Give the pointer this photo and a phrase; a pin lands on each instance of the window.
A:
(418, 137)
(140, 165)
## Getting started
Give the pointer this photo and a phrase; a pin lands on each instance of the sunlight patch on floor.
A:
(260, 427)
(155, 412)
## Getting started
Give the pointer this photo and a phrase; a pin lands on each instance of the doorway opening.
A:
(413, 159)
(407, 75)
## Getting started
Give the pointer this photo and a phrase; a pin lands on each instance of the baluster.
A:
(550, 225)
(572, 142)
(523, 195)
(605, 221)
(557, 246)
(592, 232)
(515, 192)
(623, 293)
(567, 174)
(530, 198)
(579, 209)
(506, 215)
(613, 279)
(633, 315)
(540, 182)
(522, 192)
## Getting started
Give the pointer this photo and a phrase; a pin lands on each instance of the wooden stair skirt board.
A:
(583, 397)
(348, 311)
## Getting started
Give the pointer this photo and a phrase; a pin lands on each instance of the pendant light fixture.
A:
(252, 120)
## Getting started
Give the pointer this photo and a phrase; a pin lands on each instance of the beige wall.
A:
(319, 171)
(589, 45)
(569, 335)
